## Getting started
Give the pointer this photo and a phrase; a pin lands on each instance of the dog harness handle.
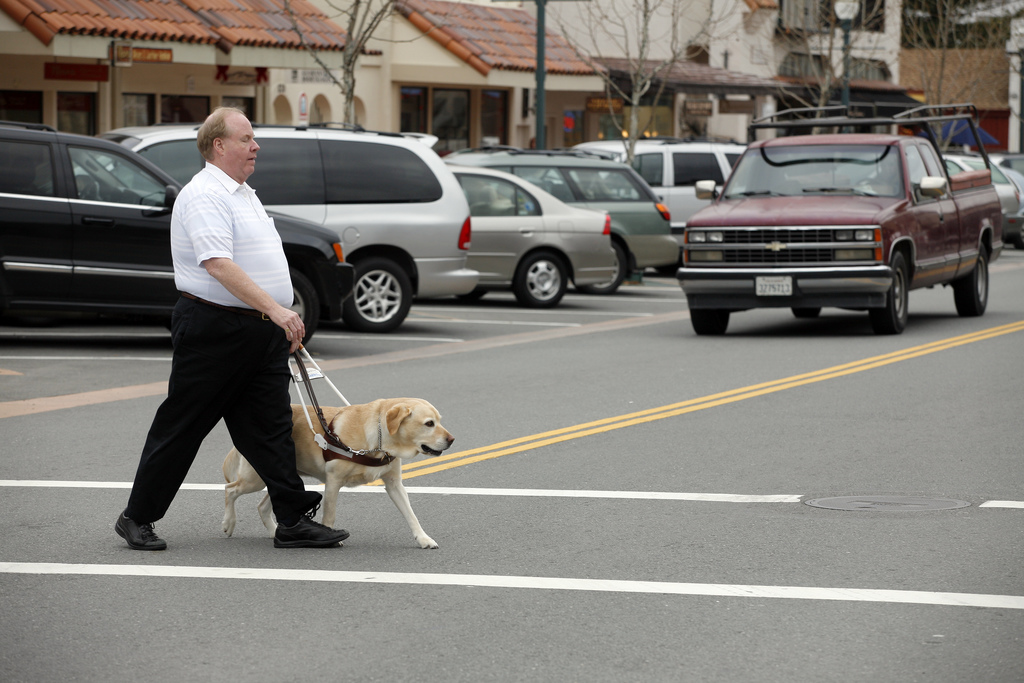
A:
(333, 448)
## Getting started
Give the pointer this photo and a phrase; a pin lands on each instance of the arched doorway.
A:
(282, 110)
(320, 112)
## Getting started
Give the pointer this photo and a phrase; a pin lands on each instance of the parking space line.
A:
(904, 597)
(41, 405)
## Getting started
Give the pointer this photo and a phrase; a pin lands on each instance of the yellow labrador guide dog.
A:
(400, 427)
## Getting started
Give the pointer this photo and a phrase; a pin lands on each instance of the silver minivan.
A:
(399, 212)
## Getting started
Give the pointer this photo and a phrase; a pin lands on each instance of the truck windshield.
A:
(869, 170)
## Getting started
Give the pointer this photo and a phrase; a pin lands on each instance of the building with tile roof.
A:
(90, 65)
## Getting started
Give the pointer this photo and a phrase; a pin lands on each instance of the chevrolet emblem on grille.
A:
(775, 246)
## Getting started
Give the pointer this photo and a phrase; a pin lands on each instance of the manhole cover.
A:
(890, 503)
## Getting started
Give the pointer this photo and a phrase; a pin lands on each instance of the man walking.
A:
(232, 333)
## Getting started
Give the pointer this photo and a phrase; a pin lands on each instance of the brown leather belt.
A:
(234, 309)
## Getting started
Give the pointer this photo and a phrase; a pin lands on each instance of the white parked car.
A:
(401, 216)
(672, 167)
(527, 240)
(1009, 193)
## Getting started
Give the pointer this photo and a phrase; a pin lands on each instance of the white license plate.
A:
(774, 285)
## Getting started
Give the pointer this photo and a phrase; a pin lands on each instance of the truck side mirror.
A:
(933, 186)
(705, 189)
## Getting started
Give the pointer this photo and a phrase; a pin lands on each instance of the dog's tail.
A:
(230, 467)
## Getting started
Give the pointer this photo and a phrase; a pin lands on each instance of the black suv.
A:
(85, 227)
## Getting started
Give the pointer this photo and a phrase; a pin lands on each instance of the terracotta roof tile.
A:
(260, 23)
(694, 77)
(487, 37)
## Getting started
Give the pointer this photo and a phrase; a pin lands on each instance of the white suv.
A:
(401, 215)
(672, 167)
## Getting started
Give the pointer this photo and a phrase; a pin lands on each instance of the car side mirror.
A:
(933, 186)
(706, 189)
(170, 195)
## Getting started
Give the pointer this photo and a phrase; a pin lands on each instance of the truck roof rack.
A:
(838, 116)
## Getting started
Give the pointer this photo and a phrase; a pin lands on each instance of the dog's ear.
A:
(395, 415)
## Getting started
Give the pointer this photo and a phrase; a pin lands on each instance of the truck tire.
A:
(305, 302)
(621, 270)
(892, 319)
(540, 280)
(807, 312)
(381, 298)
(970, 293)
(709, 321)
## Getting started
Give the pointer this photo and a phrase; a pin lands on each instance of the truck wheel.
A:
(381, 298)
(621, 269)
(970, 293)
(892, 319)
(305, 302)
(710, 321)
(806, 312)
(540, 280)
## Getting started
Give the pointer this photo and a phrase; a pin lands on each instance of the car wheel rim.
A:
(298, 303)
(378, 296)
(899, 295)
(543, 280)
(982, 283)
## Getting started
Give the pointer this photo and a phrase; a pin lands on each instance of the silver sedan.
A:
(526, 240)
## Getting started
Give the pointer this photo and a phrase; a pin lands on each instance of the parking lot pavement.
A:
(623, 501)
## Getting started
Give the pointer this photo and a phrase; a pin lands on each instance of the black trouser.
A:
(231, 366)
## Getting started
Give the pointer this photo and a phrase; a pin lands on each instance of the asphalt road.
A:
(624, 501)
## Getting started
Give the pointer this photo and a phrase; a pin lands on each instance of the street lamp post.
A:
(846, 10)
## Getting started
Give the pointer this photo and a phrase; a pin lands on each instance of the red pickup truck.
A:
(851, 220)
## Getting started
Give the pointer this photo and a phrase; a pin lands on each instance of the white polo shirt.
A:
(214, 216)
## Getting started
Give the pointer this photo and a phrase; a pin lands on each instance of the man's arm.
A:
(242, 287)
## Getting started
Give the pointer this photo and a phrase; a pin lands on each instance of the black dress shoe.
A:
(139, 536)
(308, 534)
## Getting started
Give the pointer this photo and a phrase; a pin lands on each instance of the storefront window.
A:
(76, 113)
(184, 108)
(653, 121)
(21, 105)
(450, 121)
(414, 110)
(572, 128)
(494, 117)
(138, 109)
(243, 103)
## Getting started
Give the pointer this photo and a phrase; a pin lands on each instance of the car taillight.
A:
(607, 224)
(464, 236)
(664, 211)
(339, 252)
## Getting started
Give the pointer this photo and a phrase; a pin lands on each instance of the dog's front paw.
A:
(427, 542)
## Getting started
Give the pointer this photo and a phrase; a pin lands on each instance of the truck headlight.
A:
(696, 237)
(715, 237)
(864, 235)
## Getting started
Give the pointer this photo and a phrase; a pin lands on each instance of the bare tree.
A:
(818, 54)
(641, 39)
(360, 19)
(953, 52)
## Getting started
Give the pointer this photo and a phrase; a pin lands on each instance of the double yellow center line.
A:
(579, 431)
